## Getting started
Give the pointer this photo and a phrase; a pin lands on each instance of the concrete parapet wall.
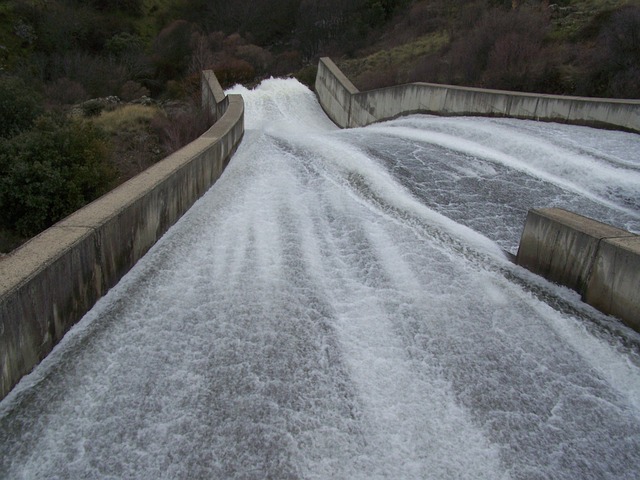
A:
(213, 96)
(334, 91)
(50, 282)
(348, 107)
(599, 261)
(614, 286)
(562, 245)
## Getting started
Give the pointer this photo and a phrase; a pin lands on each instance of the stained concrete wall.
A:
(614, 285)
(599, 261)
(49, 283)
(348, 107)
(334, 92)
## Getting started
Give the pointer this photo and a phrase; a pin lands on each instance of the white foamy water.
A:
(487, 173)
(330, 310)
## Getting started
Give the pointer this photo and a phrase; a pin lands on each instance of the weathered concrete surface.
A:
(564, 247)
(561, 245)
(348, 107)
(614, 285)
(213, 95)
(334, 91)
(599, 261)
(49, 283)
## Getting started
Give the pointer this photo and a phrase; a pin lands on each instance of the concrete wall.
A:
(599, 261)
(49, 283)
(614, 285)
(334, 92)
(348, 107)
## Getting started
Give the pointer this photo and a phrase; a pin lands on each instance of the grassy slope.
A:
(147, 24)
(579, 14)
(400, 57)
(575, 18)
(10, 48)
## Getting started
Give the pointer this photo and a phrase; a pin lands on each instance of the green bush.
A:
(19, 106)
(92, 107)
(49, 172)
(307, 76)
(614, 69)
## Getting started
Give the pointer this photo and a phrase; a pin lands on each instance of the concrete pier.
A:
(600, 262)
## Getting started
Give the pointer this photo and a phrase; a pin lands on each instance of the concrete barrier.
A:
(334, 92)
(600, 262)
(614, 286)
(348, 107)
(50, 282)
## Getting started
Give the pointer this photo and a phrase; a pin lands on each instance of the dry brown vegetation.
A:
(589, 48)
(100, 59)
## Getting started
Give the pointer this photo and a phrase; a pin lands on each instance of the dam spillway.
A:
(339, 305)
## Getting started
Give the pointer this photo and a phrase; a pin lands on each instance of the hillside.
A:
(157, 46)
(120, 78)
(582, 47)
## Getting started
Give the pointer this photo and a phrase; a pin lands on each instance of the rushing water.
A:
(339, 305)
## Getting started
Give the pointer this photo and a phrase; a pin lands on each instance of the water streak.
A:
(329, 309)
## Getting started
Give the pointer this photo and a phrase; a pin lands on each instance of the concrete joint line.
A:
(592, 266)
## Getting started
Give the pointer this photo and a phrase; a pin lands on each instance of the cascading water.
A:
(338, 305)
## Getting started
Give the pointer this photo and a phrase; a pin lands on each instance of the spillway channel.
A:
(340, 305)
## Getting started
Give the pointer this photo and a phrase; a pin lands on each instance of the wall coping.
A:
(599, 261)
(354, 108)
(583, 224)
(514, 93)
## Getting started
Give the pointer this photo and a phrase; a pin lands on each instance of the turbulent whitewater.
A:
(340, 305)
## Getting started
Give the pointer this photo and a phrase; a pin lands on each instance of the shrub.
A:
(514, 61)
(183, 123)
(19, 106)
(287, 62)
(202, 56)
(65, 91)
(231, 71)
(132, 90)
(92, 108)
(172, 50)
(426, 69)
(49, 172)
(421, 18)
(133, 7)
(123, 43)
(268, 22)
(99, 76)
(186, 89)
(232, 42)
(307, 76)
(60, 26)
(259, 58)
(132, 118)
(500, 50)
(613, 65)
(372, 79)
(9, 240)
(134, 144)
